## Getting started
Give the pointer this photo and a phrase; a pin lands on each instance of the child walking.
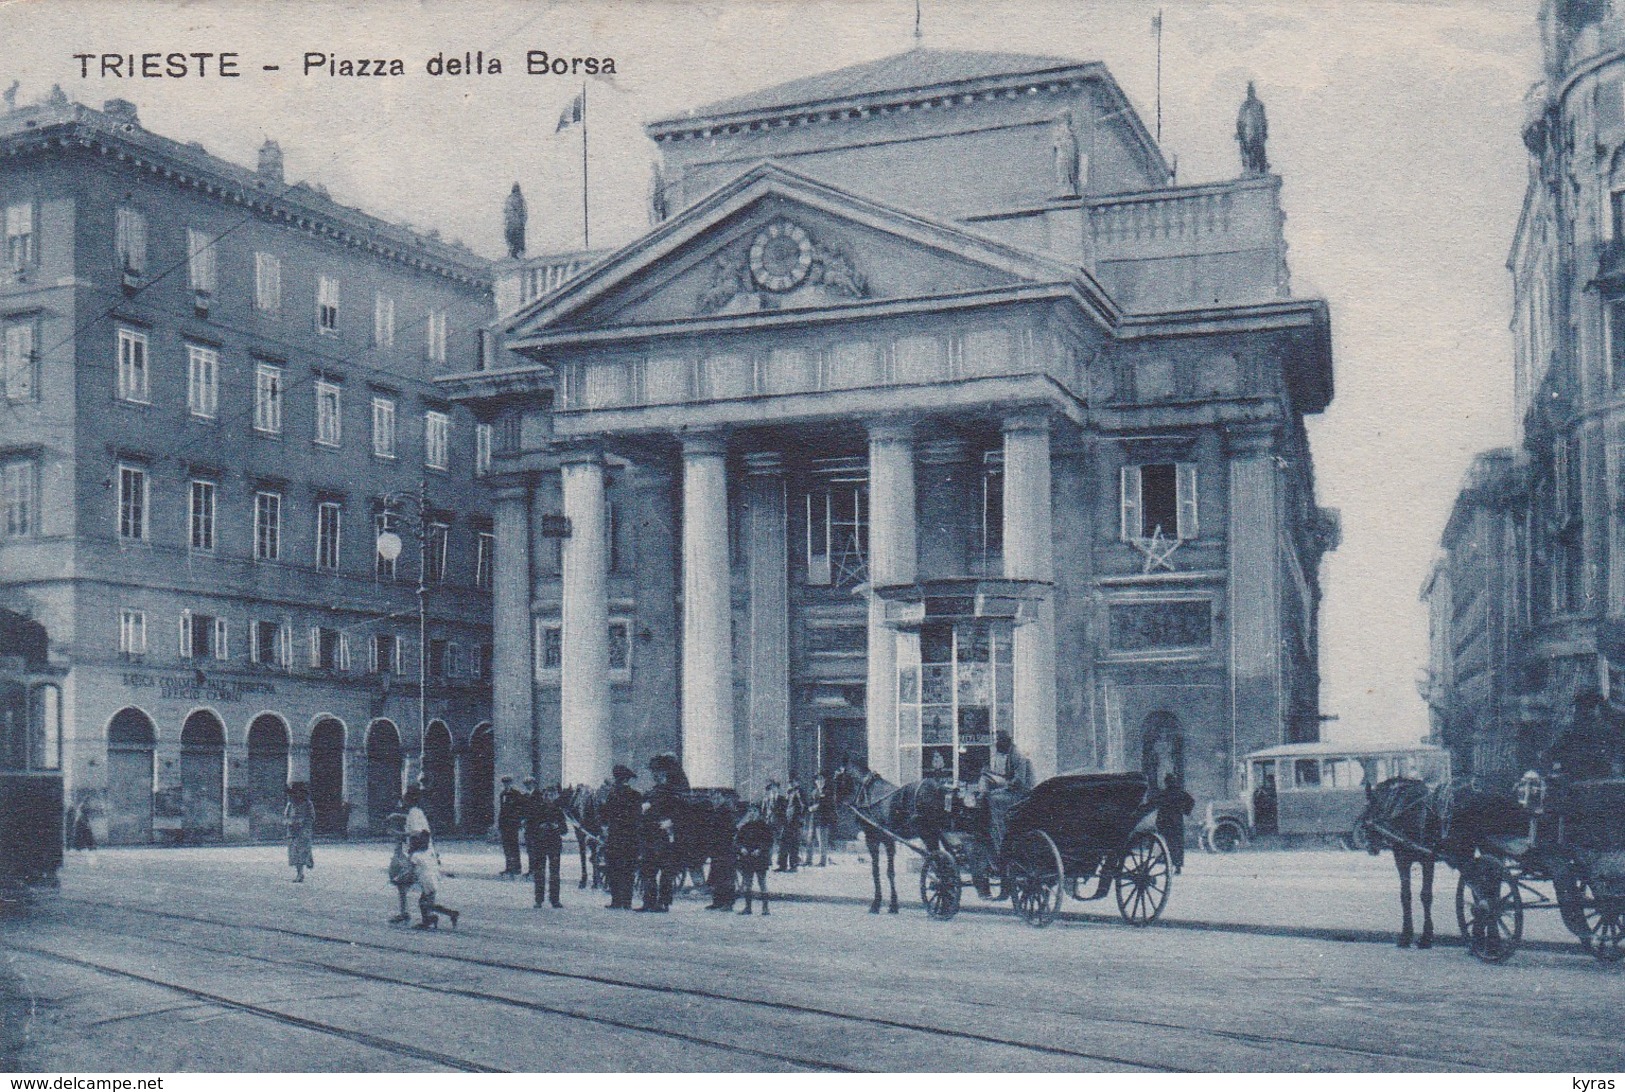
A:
(754, 842)
(426, 873)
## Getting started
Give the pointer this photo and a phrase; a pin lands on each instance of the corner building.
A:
(932, 408)
(216, 391)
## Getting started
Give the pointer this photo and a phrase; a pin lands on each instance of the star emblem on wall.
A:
(1157, 550)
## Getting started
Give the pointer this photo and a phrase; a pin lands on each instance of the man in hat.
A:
(544, 839)
(622, 813)
(528, 799)
(510, 814)
(661, 808)
(1009, 778)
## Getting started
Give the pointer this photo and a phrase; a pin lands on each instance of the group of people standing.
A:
(540, 815)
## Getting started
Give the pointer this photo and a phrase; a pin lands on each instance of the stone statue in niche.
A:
(1252, 131)
(513, 222)
(1064, 148)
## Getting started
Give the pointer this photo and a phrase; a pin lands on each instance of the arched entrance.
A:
(327, 777)
(266, 776)
(1162, 747)
(203, 776)
(130, 740)
(439, 778)
(479, 772)
(383, 772)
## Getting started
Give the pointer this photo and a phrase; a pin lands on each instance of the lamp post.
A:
(389, 548)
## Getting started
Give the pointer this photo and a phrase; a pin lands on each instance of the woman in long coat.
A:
(299, 817)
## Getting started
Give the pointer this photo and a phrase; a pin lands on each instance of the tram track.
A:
(796, 1008)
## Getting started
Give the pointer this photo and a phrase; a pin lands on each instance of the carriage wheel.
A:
(939, 886)
(1143, 881)
(1604, 920)
(1225, 837)
(1035, 876)
(1489, 910)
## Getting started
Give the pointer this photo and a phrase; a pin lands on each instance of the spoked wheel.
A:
(939, 886)
(1604, 918)
(1226, 836)
(1035, 876)
(1142, 884)
(1489, 910)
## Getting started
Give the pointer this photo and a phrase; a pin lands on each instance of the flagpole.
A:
(586, 230)
(1159, 75)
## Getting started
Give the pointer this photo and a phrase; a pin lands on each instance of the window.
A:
(132, 632)
(329, 516)
(267, 282)
(436, 547)
(130, 240)
(383, 427)
(452, 663)
(484, 558)
(202, 530)
(440, 657)
(384, 567)
(202, 381)
(21, 365)
(549, 649)
(200, 263)
(1306, 773)
(133, 376)
(270, 644)
(327, 305)
(267, 526)
(482, 450)
(386, 654)
(267, 398)
(132, 503)
(620, 647)
(1159, 501)
(329, 649)
(383, 321)
(19, 236)
(18, 504)
(838, 534)
(992, 508)
(485, 663)
(203, 635)
(437, 337)
(436, 440)
(329, 413)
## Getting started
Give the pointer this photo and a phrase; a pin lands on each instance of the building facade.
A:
(927, 407)
(217, 391)
(1564, 546)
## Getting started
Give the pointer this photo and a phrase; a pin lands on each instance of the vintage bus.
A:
(1300, 792)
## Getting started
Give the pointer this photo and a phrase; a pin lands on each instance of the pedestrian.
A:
(400, 865)
(426, 873)
(754, 844)
(1173, 804)
(622, 814)
(544, 842)
(822, 807)
(80, 835)
(658, 844)
(720, 819)
(528, 799)
(299, 819)
(510, 814)
(773, 809)
(795, 816)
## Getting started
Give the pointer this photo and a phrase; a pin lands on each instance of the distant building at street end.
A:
(928, 407)
(217, 389)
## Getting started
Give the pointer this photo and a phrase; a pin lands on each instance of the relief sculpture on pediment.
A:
(783, 266)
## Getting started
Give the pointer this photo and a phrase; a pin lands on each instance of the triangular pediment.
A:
(772, 242)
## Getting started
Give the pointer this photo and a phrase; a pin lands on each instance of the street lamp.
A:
(389, 547)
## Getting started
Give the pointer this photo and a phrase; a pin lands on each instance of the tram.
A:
(32, 817)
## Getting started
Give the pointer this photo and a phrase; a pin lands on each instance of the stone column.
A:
(1029, 554)
(587, 750)
(893, 560)
(767, 644)
(1255, 597)
(708, 722)
(512, 693)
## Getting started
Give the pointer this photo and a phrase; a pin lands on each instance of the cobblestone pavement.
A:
(211, 959)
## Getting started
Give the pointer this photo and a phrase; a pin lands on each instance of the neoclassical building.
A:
(928, 406)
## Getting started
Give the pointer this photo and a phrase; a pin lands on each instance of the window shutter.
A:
(186, 635)
(372, 656)
(285, 643)
(315, 646)
(395, 656)
(254, 642)
(1130, 504)
(344, 651)
(222, 632)
(1186, 487)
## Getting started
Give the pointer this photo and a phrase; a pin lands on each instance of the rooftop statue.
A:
(1252, 131)
(513, 222)
(11, 95)
(1064, 145)
(658, 209)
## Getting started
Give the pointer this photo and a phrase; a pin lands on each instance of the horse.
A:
(897, 809)
(1422, 824)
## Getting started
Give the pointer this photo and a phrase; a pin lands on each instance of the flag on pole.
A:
(1156, 23)
(573, 114)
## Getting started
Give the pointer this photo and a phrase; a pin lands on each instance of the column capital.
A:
(764, 463)
(511, 487)
(576, 452)
(1250, 439)
(708, 441)
(1027, 420)
(894, 429)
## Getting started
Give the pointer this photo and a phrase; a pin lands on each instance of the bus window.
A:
(1343, 773)
(1263, 774)
(1306, 773)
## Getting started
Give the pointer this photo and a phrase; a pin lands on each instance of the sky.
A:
(1394, 124)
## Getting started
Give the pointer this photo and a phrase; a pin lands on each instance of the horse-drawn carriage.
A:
(1070, 831)
(1569, 835)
